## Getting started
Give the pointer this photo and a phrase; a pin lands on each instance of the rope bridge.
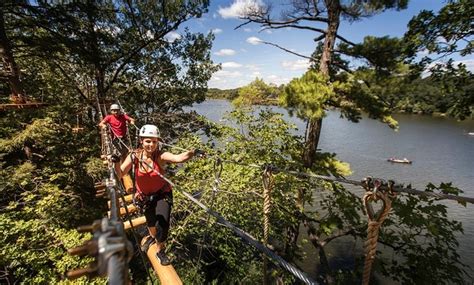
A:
(113, 251)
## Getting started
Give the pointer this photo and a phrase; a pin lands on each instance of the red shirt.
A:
(118, 124)
(150, 182)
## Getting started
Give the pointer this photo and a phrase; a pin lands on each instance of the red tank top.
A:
(150, 183)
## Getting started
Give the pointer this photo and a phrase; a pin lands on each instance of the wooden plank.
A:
(21, 106)
(127, 183)
(136, 222)
(167, 274)
(128, 199)
(123, 212)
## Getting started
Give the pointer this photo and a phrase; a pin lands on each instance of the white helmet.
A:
(114, 107)
(150, 131)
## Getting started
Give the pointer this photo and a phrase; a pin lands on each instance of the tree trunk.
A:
(9, 64)
(313, 130)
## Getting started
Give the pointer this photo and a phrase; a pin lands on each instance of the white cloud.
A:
(228, 74)
(253, 67)
(172, 36)
(256, 74)
(300, 64)
(225, 52)
(216, 31)
(278, 80)
(254, 41)
(231, 64)
(239, 8)
(248, 30)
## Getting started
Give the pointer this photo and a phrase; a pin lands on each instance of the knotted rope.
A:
(375, 219)
(268, 183)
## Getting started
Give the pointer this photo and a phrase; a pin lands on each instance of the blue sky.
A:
(243, 59)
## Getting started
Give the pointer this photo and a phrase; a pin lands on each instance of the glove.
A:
(199, 153)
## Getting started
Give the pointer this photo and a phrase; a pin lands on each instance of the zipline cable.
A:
(252, 241)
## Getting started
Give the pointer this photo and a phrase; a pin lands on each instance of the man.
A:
(118, 125)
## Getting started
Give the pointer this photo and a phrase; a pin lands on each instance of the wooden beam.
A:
(167, 274)
(136, 222)
(4, 107)
(128, 199)
(123, 212)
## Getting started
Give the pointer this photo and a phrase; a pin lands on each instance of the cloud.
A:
(300, 64)
(225, 52)
(278, 80)
(227, 74)
(253, 67)
(172, 36)
(248, 30)
(216, 31)
(231, 64)
(254, 41)
(239, 8)
(469, 63)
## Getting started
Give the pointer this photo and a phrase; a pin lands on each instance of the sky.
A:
(243, 58)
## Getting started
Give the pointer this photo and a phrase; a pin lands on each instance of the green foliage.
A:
(44, 197)
(447, 90)
(256, 92)
(383, 54)
(449, 31)
(312, 94)
(229, 94)
(307, 96)
(415, 233)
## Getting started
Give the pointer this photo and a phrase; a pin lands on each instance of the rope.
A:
(268, 184)
(252, 241)
(375, 221)
(396, 188)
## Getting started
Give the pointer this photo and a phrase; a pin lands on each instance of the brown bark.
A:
(9, 65)
(313, 129)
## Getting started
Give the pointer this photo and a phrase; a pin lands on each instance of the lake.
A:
(440, 148)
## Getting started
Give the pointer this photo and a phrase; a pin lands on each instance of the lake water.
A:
(440, 148)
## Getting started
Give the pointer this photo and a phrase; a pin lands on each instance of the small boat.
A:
(396, 160)
(471, 133)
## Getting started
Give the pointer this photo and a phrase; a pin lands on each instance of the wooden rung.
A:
(127, 183)
(166, 274)
(128, 199)
(136, 222)
(130, 208)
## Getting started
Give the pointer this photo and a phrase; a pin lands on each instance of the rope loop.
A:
(377, 189)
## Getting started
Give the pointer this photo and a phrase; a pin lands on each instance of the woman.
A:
(152, 189)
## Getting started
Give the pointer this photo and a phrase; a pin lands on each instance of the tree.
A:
(448, 32)
(304, 15)
(256, 92)
(9, 66)
(443, 34)
(110, 50)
